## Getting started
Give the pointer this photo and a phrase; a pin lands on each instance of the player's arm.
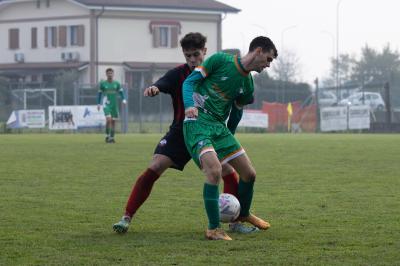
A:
(121, 93)
(234, 117)
(237, 107)
(166, 84)
(194, 79)
(187, 90)
(99, 96)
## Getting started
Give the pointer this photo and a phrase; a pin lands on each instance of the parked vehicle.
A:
(373, 99)
(326, 98)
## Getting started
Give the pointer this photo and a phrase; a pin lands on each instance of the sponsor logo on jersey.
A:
(163, 142)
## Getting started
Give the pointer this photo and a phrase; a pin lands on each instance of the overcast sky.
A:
(308, 28)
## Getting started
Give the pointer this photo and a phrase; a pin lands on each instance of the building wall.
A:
(60, 13)
(27, 10)
(124, 36)
(130, 39)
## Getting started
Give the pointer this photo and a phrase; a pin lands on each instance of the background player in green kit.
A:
(208, 94)
(109, 89)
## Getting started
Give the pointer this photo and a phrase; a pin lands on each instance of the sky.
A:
(308, 28)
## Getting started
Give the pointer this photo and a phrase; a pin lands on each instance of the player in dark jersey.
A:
(171, 151)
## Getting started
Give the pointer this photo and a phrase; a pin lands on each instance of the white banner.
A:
(254, 118)
(359, 117)
(26, 119)
(75, 117)
(342, 118)
(333, 118)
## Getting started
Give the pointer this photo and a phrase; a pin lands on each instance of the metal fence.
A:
(142, 114)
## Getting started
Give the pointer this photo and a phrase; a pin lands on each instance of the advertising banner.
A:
(341, 118)
(359, 117)
(26, 119)
(75, 117)
(334, 118)
(254, 118)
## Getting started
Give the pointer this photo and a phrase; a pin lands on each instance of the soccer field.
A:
(332, 199)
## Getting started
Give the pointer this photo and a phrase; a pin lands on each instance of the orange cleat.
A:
(256, 221)
(217, 234)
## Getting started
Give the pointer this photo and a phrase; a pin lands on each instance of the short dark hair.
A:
(265, 43)
(109, 69)
(193, 40)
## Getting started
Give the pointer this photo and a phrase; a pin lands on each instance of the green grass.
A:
(331, 200)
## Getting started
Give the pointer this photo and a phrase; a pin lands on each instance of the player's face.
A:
(110, 75)
(263, 60)
(194, 57)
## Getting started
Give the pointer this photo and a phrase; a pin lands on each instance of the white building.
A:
(134, 37)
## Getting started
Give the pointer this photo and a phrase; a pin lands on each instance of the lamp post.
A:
(337, 50)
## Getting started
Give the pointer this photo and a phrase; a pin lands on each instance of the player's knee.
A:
(250, 175)
(157, 167)
(213, 173)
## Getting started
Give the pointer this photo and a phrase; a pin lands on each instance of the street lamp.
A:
(337, 49)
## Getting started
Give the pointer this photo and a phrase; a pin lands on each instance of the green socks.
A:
(210, 196)
(245, 193)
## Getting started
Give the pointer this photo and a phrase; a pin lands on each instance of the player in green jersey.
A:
(109, 89)
(208, 94)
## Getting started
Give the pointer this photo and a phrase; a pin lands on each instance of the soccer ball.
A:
(229, 208)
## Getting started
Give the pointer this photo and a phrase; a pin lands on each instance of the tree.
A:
(376, 67)
(287, 67)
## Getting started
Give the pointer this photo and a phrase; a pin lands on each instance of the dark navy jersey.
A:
(171, 83)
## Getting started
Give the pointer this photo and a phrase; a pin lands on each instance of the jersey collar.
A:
(240, 67)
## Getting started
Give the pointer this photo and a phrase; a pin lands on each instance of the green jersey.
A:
(109, 90)
(224, 81)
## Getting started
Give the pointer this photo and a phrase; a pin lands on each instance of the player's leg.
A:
(142, 189)
(231, 180)
(198, 143)
(247, 173)
(231, 183)
(114, 115)
(212, 170)
(107, 114)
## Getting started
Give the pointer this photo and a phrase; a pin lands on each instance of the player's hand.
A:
(151, 91)
(98, 107)
(124, 101)
(191, 112)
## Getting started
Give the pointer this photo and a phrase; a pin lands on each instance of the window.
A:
(165, 33)
(33, 38)
(13, 39)
(50, 36)
(73, 35)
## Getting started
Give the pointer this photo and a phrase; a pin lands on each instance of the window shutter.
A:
(46, 30)
(174, 37)
(13, 37)
(156, 37)
(62, 36)
(33, 37)
(81, 35)
(54, 36)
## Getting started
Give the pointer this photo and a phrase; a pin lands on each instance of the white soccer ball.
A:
(229, 208)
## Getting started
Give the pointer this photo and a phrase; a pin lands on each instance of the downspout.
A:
(97, 43)
(219, 31)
